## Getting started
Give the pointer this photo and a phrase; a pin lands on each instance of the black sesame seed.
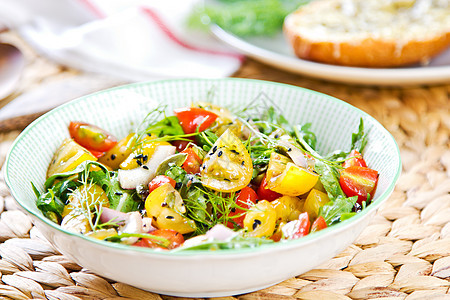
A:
(145, 167)
(118, 193)
(139, 156)
(139, 162)
(170, 217)
(113, 156)
(220, 153)
(289, 149)
(233, 209)
(234, 151)
(145, 158)
(256, 223)
(226, 179)
(178, 185)
(276, 136)
(214, 149)
(242, 163)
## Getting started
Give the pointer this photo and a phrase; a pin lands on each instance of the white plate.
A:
(276, 52)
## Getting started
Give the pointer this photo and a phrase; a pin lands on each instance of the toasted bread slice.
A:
(369, 33)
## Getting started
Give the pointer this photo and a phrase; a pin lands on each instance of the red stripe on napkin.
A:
(155, 18)
(93, 8)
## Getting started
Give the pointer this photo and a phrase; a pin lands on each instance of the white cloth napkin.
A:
(130, 39)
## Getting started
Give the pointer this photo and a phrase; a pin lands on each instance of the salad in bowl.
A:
(187, 181)
(204, 178)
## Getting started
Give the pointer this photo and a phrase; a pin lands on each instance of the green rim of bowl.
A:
(267, 247)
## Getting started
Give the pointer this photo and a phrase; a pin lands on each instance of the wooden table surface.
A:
(403, 254)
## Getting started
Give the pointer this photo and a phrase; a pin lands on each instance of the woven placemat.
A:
(403, 254)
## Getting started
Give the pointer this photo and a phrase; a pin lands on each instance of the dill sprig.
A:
(209, 208)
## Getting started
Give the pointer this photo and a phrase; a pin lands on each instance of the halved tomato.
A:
(318, 224)
(193, 118)
(227, 167)
(358, 181)
(192, 163)
(293, 181)
(244, 199)
(166, 207)
(91, 137)
(265, 193)
(159, 181)
(261, 219)
(298, 228)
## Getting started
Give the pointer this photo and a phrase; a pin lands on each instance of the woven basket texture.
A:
(403, 254)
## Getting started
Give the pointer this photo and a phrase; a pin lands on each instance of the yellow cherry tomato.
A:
(68, 156)
(277, 164)
(288, 208)
(166, 207)
(227, 167)
(143, 151)
(261, 219)
(117, 154)
(315, 200)
(293, 181)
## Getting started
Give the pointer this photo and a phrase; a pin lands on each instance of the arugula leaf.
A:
(359, 139)
(271, 120)
(338, 209)
(167, 126)
(340, 206)
(307, 135)
(52, 202)
(176, 173)
(119, 199)
(337, 156)
(329, 177)
(345, 216)
(206, 139)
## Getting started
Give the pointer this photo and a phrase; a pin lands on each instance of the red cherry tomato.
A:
(192, 163)
(175, 239)
(194, 118)
(355, 160)
(245, 199)
(358, 181)
(265, 194)
(159, 181)
(91, 137)
(319, 224)
(303, 226)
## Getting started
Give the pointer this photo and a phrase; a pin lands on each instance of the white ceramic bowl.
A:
(200, 273)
